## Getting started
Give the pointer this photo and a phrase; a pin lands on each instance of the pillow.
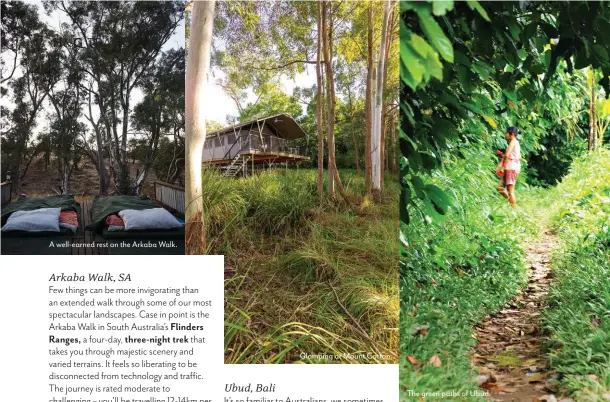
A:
(37, 220)
(115, 223)
(68, 220)
(155, 218)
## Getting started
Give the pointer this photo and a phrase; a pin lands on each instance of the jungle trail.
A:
(509, 301)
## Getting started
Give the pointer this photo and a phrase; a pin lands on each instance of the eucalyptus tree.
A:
(19, 22)
(380, 78)
(327, 49)
(350, 82)
(271, 100)
(25, 36)
(66, 98)
(257, 42)
(319, 100)
(161, 113)
(198, 65)
(116, 43)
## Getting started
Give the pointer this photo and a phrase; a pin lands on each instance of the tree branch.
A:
(283, 65)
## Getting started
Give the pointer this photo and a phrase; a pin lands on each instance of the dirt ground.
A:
(509, 355)
(84, 181)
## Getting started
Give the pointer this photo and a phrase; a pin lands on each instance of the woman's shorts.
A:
(510, 178)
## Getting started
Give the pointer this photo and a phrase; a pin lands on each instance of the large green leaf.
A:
(440, 7)
(603, 26)
(412, 62)
(418, 187)
(474, 5)
(436, 36)
(439, 198)
(429, 57)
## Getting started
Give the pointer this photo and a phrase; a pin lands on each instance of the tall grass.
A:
(578, 313)
(315, 284)
(279, 200)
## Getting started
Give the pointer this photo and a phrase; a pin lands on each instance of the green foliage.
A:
(470, 70)
(223, 203)
(259, 46)
(274, 202)
(577, 315)
(454, 272)
(272, 100)
(279, 200)
(309, 280)
(168, 163)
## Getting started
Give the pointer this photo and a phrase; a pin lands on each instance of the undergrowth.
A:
(455, 270)
(578, 313)
(312, 284)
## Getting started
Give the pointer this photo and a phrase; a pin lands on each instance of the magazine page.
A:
(305, 201)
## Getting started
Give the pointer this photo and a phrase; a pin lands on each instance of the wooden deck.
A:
(259, 157)
(86, 236)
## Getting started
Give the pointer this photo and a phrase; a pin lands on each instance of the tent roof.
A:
(282, 125)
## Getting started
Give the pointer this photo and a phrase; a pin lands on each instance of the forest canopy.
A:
(104, 81)
(468, 71)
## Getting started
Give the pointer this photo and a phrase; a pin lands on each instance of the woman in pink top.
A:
(511, 164)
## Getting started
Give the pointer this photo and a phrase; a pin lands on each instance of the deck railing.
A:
(227, 147)
(170, 195)
(6, 192)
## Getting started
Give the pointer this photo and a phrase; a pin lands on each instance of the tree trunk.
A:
(384, 111)
(368, 121)
(16, 171)
(393, 141)
(333, 172)
(99, 141)
(353, 132)
(319, 122)
(592, 115)
(355, 140)
(330, 112)
(66, 181)
(376, 140)
(198, 64)
(384, 137)
(382, 140)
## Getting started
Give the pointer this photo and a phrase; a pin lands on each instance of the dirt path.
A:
(508, 355)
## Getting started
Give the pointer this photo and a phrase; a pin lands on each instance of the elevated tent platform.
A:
(254, 145)
(259, 158)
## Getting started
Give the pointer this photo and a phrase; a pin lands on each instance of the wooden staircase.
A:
(236, 165)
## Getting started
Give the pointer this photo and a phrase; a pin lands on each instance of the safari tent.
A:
(247, 147)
